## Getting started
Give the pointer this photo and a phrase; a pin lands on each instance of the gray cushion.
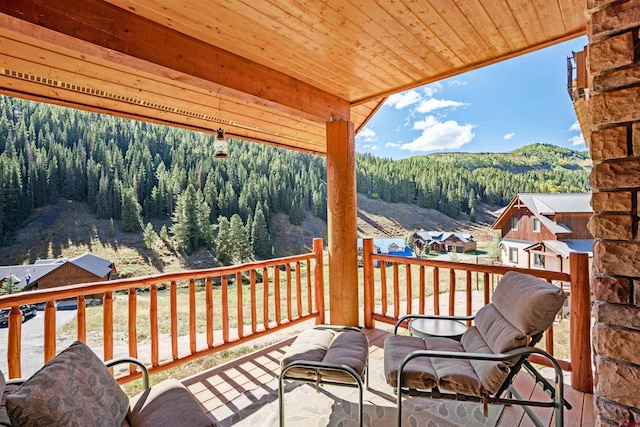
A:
(167, 404)
(417, 374)
(74, 388)
(455, 375)
(498, 333)
(350, 348)
(528, 303)
(490, 374)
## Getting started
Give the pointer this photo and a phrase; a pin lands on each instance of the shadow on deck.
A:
(217, 388)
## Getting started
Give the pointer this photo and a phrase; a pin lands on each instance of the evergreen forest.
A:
(134, 172)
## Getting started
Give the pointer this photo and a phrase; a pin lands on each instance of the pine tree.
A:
(149, 236)
(260, 238)
(239, 239)
(130, 211)
(186, 229)
(10, 286)
(224, 245)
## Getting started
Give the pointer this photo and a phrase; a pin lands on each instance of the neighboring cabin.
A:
(441, 241)
(51, 273)
(541, 230)
(387, 246)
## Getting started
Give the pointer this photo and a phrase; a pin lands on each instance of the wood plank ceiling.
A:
(272, 71)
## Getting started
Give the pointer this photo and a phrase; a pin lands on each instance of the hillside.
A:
(68, 229)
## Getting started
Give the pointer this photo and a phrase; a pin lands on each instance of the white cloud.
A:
(392, 144)
(432, 89)
(367, 135)
(509, 136)
(575, 126)
(374, 148)
(429, 105)
(577, 140)
(457, 83)
(404, 99)
(437, 135)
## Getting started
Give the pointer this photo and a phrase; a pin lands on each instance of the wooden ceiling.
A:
(272, 71)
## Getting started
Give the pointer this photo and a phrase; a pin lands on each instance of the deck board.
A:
(220, 385)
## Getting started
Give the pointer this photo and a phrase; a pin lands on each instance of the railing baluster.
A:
(298, 290)
(107, 325)
(318, 279)
(422, 290)
(436, 291)
(409, 288)
(309, 288)
(469, 295)
(276, 294)
(452, 292)
(487, 297)
(82, 319)
(252, 284)
(240, 305)
(265, 298)
(396, 290)
(14, 344)
(132, 326)
(173, 301)
(192, 315)
(383, 287)
(548, 337)
(153, 320)
(289, 291)
(208, 289)
(225, 308)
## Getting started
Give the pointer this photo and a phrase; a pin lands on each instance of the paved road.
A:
(32, 356)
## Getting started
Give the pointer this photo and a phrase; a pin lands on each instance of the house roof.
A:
(27, 274)
(543, 205)
(441, 236)
(383, 243)
(272, 71)
(565, 247)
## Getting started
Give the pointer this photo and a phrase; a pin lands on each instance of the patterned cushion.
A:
(74, 389)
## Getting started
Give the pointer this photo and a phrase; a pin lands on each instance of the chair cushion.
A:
(455, 375)
(417, 374)
(74, 388)
(528, 303)
(490, 374)
(497, 332)
(169, 404)
(350, 348)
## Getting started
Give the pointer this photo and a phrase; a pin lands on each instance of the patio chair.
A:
(482, 366)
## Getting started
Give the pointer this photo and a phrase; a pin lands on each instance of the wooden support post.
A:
(367, 265)
(341, 220)
(580, 323)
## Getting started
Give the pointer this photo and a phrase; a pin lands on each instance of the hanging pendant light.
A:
(220, 146)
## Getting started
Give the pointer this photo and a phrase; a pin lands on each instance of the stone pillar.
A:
(614, 113)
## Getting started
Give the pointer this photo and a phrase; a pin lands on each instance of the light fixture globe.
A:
(220, 146)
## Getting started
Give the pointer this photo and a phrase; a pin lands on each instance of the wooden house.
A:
(441, 241)
(541, 230)
(52, 273)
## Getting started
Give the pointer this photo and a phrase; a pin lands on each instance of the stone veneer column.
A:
(613, 59)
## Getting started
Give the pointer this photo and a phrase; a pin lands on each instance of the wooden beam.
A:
(164, 52)
(341, 220)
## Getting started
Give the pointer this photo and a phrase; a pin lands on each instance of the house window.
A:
(538, 260)
(513, 255)
(514, 223)
(536, 225)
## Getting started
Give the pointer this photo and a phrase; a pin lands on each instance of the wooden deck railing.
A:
(233, 313)
(394, 286)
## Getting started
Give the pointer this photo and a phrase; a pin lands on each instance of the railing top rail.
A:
(466, 266)
(62, 292)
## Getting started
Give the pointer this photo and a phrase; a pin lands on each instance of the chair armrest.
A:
(321, 366)
(121, 360)
(428, 316)
(16, 381)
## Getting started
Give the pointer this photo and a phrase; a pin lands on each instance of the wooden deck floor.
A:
(219, 386)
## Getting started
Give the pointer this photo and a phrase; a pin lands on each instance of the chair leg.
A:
(281, 400)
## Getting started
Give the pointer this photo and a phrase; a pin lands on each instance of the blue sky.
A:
(497, 108)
